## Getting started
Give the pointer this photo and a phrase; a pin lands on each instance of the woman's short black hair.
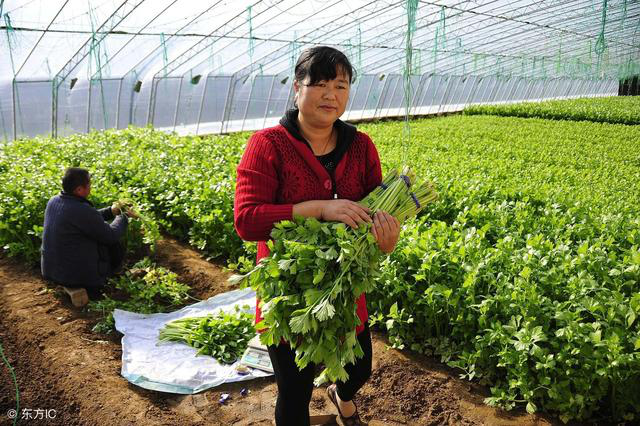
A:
(322, 63)
(73, 178)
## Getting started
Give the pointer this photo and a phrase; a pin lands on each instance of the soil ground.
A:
(61, 365)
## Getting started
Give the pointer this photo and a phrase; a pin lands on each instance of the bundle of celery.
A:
(311, 281)
(224, 336)
(144, 224)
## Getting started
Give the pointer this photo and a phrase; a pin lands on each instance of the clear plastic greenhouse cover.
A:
(71, 66)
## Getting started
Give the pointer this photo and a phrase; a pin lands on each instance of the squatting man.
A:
(80, 248)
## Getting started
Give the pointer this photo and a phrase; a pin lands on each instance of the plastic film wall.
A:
(69, 66)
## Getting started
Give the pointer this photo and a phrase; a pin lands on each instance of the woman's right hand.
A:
(345, 211)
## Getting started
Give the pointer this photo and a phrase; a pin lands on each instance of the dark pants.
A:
(116, 258)
(113, 256)
(296, 386)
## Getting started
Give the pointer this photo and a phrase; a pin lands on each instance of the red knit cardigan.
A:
(278, 171)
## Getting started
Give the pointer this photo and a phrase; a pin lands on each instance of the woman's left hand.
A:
(386, 230)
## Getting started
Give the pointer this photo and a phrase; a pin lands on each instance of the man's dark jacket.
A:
(75, 240)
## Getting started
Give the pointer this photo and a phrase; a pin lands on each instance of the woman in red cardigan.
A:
(313, 165)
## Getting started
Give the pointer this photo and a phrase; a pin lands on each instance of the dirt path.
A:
(62, 365)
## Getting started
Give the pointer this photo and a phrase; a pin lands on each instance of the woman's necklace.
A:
(326, 144)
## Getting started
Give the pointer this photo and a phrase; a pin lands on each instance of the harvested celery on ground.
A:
(223, 336)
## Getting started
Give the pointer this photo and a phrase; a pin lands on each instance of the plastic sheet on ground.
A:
(173, 367)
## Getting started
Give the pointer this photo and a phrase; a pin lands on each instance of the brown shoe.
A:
(353, 420)
(79, 296)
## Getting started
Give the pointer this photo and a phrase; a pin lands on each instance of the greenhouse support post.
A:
(553, 87)
(491, 89)
(246, 108)
(387, 87)
(453, 91)
(352, 96)
(470, 80)
(426, 91)
(567, 82)
(15, 110)
(487, 90)
(482, 93)
(151, 101)
(445, 94)
(575, 88)
(508, 89)
(568, 91)
(539, 89)
(584, 88)
(494, 91)
(366, 99)
(204, 94)
(561, 87)
(544, 88)
(592, 88)
(553, 84)
(289, 100)
(458, 91)
(266, 108)
(426, 95)
(559, 82)
(599, 88)
(175, 112)
(523, 87)
(393, 95)
(118, 98)
(477, 94)
(227, 104)
(581, 88)
(383, 95)
(532, 83)
(516, 81)
(556, 88)
(501, 93)
(472, 92)
(416, 95)
(89, 108)
(497, 89)
(588, 86)
(596, 88)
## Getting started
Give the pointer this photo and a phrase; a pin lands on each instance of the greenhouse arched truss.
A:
(195, 68)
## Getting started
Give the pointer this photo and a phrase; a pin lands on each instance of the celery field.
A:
(524, 275)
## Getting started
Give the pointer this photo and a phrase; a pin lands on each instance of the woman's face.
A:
(323, 103)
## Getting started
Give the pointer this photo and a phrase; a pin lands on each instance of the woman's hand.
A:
(346, 211)
(386, 230)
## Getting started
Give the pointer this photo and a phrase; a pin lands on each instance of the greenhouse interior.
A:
(218, 67)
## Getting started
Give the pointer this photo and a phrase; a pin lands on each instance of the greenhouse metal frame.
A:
(74, 66)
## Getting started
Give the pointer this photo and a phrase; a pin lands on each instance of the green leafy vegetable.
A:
(145, 288)
(615, 109)
(224, 336)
